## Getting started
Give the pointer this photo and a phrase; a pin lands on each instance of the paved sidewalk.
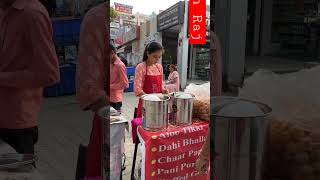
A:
(130, 102)
(63, 126)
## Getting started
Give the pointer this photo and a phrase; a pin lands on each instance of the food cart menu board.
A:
(171, 154)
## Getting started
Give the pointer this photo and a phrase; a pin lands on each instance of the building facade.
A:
(279, 35)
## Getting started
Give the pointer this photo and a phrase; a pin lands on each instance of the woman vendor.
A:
(148, 79)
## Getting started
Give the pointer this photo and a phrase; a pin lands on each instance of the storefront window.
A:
(202, 63)
(296, 29)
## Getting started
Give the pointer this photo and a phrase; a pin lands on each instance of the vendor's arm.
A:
(203, 160)
(91, 69)
(205, 151)
(139, 80)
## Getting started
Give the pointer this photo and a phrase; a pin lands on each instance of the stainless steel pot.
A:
(181, 110)
(155, 113)
(239, 137)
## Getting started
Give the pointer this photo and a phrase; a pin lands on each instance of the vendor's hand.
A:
(165, 91)
(141, 94)
(202, 165)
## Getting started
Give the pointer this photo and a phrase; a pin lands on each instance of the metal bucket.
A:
(240, 132)
(155, 113)
(181, 110)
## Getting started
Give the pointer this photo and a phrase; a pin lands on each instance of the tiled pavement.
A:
(130, 102)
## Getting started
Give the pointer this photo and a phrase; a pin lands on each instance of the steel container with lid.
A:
(239, 137)
(155, 113)
(181, 109)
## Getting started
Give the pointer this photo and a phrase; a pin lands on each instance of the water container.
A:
(131, 87)
(131, 71)
(67, 76)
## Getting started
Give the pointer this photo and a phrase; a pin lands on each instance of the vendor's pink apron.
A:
(152, 84)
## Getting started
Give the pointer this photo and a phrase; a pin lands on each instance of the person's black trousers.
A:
(22, 140)
(117, 106)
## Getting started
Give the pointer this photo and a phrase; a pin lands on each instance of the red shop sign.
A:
(197, 21)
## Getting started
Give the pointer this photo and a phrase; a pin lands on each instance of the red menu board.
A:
(171, 154)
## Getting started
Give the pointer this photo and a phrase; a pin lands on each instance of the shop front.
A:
(282, 36)
(169, 23)
(199, 61)
(295, 29)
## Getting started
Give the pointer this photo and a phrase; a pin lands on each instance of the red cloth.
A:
(171, 154)
(152, 84)
(94, 157)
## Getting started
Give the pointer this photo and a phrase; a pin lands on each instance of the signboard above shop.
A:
(207, 24)
(171, 17)
(114, 25)
(123, 8)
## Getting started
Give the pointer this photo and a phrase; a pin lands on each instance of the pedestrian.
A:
(173, 84)
(28, 64)
(148, 79)
(216, 90)
(93, 83)
(118, 79)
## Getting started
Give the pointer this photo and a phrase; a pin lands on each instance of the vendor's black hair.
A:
(151, 48)
(113, 47)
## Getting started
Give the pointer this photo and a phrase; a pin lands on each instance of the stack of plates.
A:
(15, 160)
(114, 112)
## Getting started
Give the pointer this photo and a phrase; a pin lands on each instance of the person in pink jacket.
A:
(28, 63)
(118, 79)
(93, 84)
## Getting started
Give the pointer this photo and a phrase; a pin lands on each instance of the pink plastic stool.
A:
(135, 123)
